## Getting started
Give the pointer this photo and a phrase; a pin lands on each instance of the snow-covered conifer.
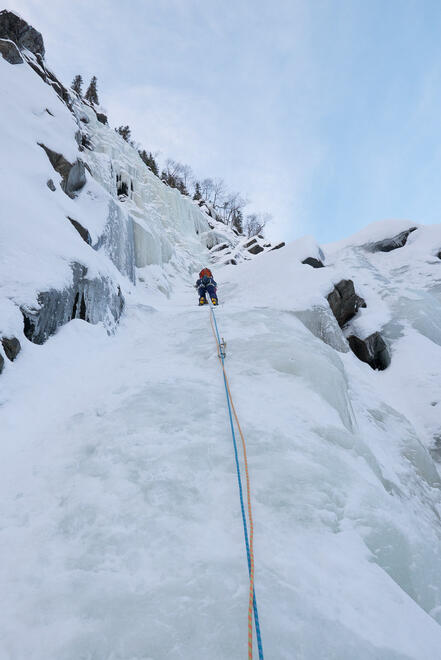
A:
(77, 84)
(91, 94)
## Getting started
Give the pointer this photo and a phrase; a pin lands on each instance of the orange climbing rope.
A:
(252, 602)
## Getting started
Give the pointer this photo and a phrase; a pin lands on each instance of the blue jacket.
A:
(205, 281)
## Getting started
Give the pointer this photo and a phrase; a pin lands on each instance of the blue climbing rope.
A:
(239, 480)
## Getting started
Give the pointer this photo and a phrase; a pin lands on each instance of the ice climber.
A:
(206, 284)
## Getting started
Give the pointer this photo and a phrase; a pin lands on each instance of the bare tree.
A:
(214, 192)
(186, 174)
(177, 175)
(171, 167)
(219, 191)
(206, 189)
(232, 204)
(179, 170)
(224, 206)
(255, 223)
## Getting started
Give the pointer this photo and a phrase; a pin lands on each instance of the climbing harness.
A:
(249, 542)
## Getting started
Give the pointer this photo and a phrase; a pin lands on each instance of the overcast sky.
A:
(326, 113)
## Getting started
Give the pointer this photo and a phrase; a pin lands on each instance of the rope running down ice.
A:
(252, 605)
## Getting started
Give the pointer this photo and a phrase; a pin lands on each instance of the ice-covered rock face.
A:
(323, 325)
(156, 224)
(121, 216)
(346, 494)
(117, 240)
(73, 175)
(95, 300)
(402, 289)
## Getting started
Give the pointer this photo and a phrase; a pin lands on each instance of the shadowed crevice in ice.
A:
(96, 300)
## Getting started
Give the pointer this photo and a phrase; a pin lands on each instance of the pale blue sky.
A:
(326, 113)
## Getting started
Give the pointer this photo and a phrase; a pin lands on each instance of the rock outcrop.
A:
(10, 52)
(344, 302)
(2, 363)
(76, 178)
(30, 45)
(253, 246)
(83, 232)
(11, 346)
(373, 350)
(389, 244)
(315, 263)
(95, 300)
(73, 174)
(15, 29)
(255, 249)
(102, 118)
(49, 78)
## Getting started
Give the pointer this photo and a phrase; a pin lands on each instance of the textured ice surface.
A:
(322, 323)
(167, 226)
(122, 516)
(422, 310)
(121, 534)
(117, 240)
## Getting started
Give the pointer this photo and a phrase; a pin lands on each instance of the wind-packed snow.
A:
(121, 534)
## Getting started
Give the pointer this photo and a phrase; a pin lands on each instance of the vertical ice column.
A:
(118, 241)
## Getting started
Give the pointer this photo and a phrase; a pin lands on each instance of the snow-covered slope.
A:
(157, 227)
(120, 534)
(152, 232)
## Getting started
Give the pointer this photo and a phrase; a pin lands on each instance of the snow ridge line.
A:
(252, 605)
